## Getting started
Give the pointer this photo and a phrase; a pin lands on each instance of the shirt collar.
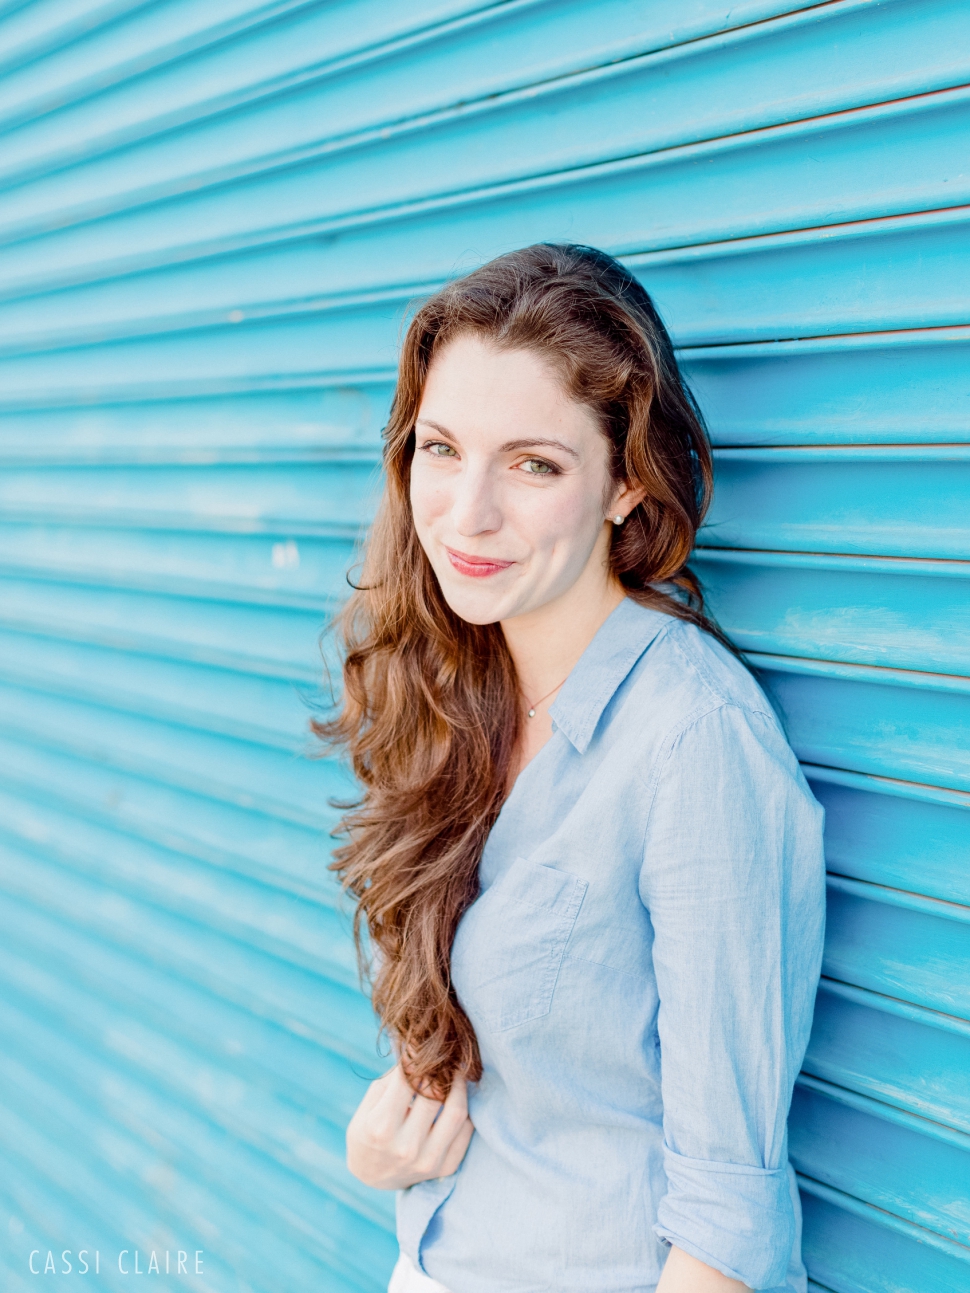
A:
(618, 644)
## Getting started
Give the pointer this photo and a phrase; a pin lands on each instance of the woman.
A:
(587, 860)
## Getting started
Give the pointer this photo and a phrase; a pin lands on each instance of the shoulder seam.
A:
(716, 699)
(676, 729)
(651, 783)
(699, 667)
(695, 662)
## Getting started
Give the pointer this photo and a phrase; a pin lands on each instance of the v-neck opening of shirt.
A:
(592, 649)
(531, 764)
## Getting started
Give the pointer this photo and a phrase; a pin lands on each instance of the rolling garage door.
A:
(213, 217)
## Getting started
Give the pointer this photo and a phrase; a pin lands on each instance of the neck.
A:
(546, 643)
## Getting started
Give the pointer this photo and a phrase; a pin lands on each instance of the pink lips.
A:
(476, 567)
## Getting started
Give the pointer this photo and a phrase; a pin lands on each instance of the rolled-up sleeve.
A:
(733, 880)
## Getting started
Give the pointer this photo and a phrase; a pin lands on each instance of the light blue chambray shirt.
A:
(640, 969)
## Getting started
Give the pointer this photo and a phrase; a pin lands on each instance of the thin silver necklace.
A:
(533, 704)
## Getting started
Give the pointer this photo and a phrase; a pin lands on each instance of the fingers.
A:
(457, 1149)
(397, 1137)
(381, 1114)
(459, 1092)
(455, 1108)
(454, 1114)
(394, 1098)
(375, 1091)
(419, 1120)
(400, 1090)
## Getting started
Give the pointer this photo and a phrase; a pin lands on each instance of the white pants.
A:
(406, 1278)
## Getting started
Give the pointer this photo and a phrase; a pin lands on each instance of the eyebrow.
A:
(510, 445)
(532, 442)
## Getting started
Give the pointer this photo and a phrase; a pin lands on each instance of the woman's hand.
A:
(397, 1138)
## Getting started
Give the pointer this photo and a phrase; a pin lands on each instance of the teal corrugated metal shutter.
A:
(212, 219)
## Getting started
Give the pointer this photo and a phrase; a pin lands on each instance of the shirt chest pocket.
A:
(510, 944)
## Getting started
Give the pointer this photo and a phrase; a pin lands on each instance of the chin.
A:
(475, 605)
(475, 610)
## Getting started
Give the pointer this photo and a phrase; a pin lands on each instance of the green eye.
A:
(441, 450)
(536, 467)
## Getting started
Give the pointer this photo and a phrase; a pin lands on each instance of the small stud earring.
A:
(618, 520)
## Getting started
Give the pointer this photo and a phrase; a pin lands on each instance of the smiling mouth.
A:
(476, 567)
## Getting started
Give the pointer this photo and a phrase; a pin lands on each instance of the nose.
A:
(475, 508)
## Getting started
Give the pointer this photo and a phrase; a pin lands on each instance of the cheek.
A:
(430, 495)
(562, 519)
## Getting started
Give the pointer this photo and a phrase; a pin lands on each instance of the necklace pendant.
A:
(532, 713)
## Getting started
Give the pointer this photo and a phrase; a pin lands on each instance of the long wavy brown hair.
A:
(431, 706)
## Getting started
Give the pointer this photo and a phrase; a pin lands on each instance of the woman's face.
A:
(510, 486)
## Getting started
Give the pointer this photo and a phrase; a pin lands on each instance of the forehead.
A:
(477, 389)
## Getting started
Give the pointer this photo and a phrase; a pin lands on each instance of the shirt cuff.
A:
(735, 1218)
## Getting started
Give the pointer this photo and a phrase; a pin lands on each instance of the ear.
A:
(625, 498)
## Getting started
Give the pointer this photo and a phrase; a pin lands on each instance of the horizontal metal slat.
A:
(149, 976)
(157, 46)
(687, 196)
(275, 454)
(888, 722)
(941, 908)
(55, 1177)
(141, 1183)
(303, 1001)
(898, 951)
(259, 710)
(200, 1108)
(911, 1167)
(897, 387)
(307, 567)
(903, 614)
(35, 31)
(364, 333)
(199, 430)
(855, 1248)
(906, 1055)
(886, 500)
(294, 928)
(244, 497)
(902, 273)
(463, 69)
(267, 788)
(222, 831)
(897, 273)
(521, 42)
(890, 833)
(58, 973)
(116, 40)
(909, 387)
(28, 1232)
(52, 1216)
(177, 619)
(307, 680)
